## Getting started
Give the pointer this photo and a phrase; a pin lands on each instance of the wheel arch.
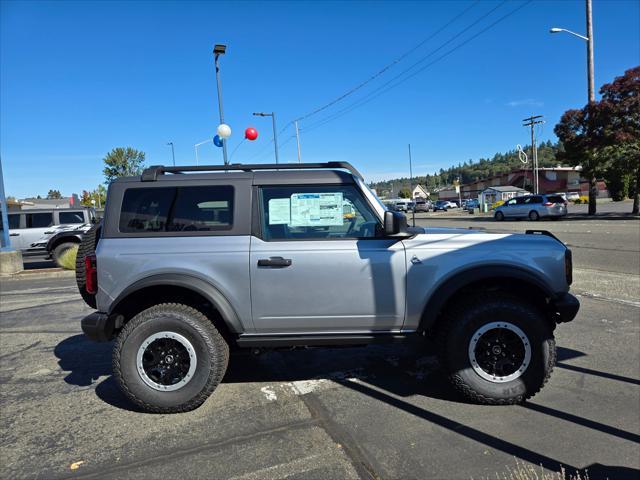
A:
(175, 285)
(485, 277)
(59, 239)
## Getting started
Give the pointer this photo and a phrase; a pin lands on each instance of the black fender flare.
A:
(463, 278)
(190, 282)
(72, 236)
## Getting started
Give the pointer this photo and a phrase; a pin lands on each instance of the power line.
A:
(380, 90)
(386, 67)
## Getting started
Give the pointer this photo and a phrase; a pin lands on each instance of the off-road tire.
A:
(499, 216)
(87, 247)
(455, 334)
(212, 353)
(59, 251)
(534, 216)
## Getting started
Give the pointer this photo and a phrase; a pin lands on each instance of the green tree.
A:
(604, 137)
(404, 193)
(619, 131)
(123, 162)
(54, 194)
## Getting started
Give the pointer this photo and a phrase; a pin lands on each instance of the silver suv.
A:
(185, 267)
(533, 207)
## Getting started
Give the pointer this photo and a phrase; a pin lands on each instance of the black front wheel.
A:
(499, 216)
(534, 216)
(169, 358)
(497, 351)
(60, 250)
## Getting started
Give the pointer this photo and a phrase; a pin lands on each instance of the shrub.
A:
(581, 199)
(68, 258)
(497, 204)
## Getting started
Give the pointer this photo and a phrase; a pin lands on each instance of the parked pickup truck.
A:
(190, 262)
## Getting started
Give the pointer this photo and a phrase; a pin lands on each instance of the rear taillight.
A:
(568, 266)
(548, 204)
(91, 274)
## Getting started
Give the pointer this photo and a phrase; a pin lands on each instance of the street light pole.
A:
(275, 133)
(593, 186)
(5, 245)
(173, 153)
(298, 139)
(196, 149)
(590, 76)
(217, 51)
(589, 39)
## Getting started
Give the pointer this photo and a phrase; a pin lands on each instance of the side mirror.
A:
(395, 223)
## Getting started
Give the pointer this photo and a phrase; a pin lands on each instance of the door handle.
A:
(14, 234)
(274, 262)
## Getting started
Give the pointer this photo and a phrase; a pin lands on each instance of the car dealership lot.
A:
(370, 412)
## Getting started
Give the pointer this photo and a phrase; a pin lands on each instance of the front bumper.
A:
(99, 326)
(565, 307)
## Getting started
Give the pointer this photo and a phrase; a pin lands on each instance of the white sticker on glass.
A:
(316, 209)
(279, 211)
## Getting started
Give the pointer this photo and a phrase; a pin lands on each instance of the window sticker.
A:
(279, 211)
(316, 209)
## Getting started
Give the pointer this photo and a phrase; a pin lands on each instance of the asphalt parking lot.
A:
(369, 412)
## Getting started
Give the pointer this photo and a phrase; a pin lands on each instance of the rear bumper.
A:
(565, 307)
(98, 326)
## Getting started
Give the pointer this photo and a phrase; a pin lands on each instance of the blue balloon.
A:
(217, 141)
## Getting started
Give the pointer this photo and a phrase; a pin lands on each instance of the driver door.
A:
(320, 265)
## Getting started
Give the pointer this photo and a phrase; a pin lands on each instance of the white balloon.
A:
(224, 130)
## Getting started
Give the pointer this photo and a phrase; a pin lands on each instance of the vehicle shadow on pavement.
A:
(87, 362)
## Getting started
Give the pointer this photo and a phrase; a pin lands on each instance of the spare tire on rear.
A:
(87, 247)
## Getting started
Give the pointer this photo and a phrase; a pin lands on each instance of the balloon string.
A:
(236, 149)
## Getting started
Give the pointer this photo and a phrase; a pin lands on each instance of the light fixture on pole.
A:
(589, 39)
(210, 140)
(173, 153)
(275, 134)
(217, 51)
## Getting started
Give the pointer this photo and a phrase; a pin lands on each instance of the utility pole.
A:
(532, 121)
(298, 139)
(413, 210)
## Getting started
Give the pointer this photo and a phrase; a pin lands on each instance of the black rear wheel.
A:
(87, 247)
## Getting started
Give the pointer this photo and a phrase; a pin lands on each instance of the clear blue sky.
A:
(79, 78)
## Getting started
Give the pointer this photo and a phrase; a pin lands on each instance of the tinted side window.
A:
(520, 200)
(71, 217)
(200, 209)
(555, 199)
(146, 209)
(14, 220)
(177, 209)
(534, 199)
(39, 220)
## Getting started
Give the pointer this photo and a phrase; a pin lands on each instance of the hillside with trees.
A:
(470, 170)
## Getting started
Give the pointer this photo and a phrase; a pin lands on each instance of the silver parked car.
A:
(185, 267)
(30, 229)
(533, 207)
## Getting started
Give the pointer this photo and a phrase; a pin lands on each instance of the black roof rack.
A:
(151, 174)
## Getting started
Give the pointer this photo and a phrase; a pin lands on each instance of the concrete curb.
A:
(39, 274)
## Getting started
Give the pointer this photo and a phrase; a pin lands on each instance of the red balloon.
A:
(251, 133)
